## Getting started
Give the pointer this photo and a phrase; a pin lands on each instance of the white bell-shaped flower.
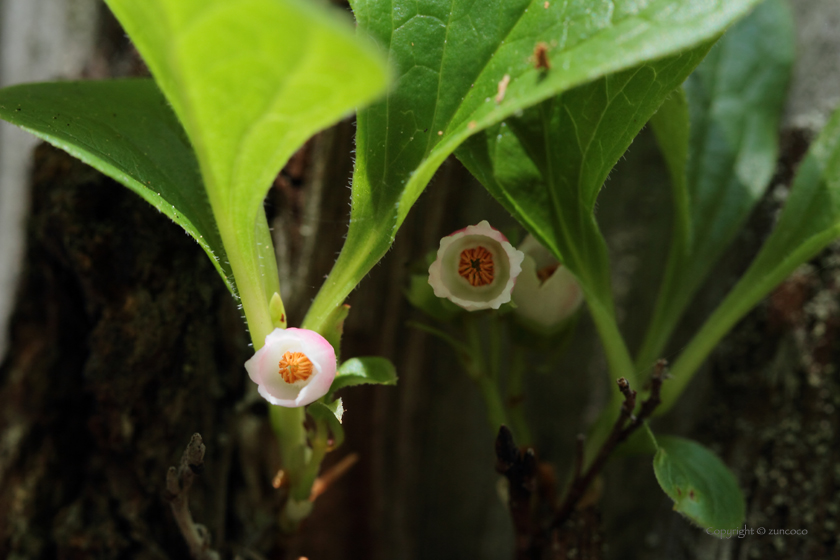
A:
(294, 368)
(476, 268)
(546, 293)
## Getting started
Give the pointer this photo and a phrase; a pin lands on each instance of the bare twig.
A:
(625, 425)
(178, 483)
(520, 469)
(660, 372)
(331, 475)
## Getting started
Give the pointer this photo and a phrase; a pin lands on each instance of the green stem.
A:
(755, 284)
(495, 341)
(515, 394)
(357, 257)
(618, 357)
(621, 365)
(320, 444)
(256, 284)
(496, 414)
(476, 368)
(670, 126)
(287, 424)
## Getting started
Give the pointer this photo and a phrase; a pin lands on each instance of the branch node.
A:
(178, 483)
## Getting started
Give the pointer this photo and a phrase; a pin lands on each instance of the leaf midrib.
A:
(446, 133)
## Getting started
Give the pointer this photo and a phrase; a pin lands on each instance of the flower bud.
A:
(546, 293)
(295, 367)
(475, 268)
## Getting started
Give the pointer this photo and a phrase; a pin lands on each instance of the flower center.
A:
(476, 266)
(295, 366)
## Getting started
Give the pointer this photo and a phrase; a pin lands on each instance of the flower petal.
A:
(264, 367)
(543, 305)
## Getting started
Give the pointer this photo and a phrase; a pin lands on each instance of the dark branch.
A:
(650, 404)
(520, 469)
(625, 425)
(178, 483)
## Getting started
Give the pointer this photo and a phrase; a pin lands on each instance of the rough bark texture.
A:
(123, 342)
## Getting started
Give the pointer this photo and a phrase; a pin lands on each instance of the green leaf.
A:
(809, 221)
(702, 488)
(251, 80)
(452, 57)
(547, 166)
(277, 311)
(722, 168)
(126, 130)
(364, 371)
(331, 414)
(333, 328)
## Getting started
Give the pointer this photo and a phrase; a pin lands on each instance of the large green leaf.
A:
(722, 168)
(702, 488)
(809, 221)
(126, 130)
(547, 166)
(251, 80)
(453, 57)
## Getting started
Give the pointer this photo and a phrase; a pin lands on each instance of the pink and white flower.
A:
(295, 367)
(546, 293)
(476, 268)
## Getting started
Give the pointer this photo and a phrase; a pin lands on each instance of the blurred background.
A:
(118, 341)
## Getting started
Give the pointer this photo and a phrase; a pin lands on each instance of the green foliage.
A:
(723, 166)
(540, 99)
(809, 221)
(333, 328)
(372, 370)
(331, 415)
(126, 130)
(463, 66)
(277, 311)
(702, 488)
(422, 296)
(547, 166)
(250, 81)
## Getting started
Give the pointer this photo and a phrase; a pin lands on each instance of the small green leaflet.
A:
(331, 414)
(126, 130)
(702, 487)
(463, 66)
(720, 169)
(809, 221)
(364, 371)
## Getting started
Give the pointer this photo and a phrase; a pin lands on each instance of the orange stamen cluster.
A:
(476, 266)
(295, 366)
